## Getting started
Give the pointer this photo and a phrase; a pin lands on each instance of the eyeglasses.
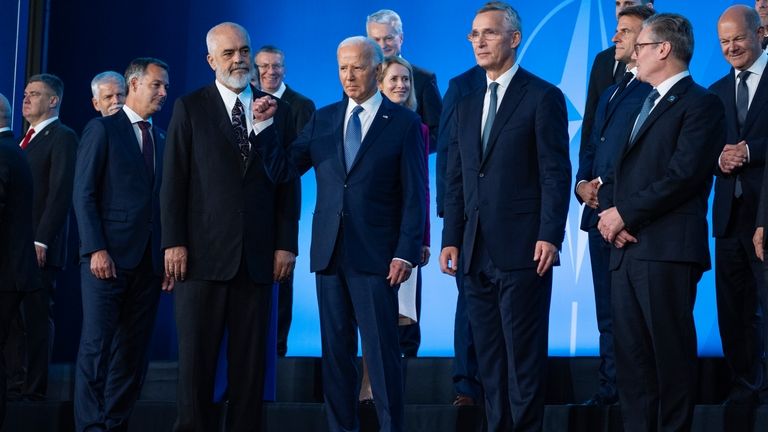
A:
(640, 45)
(487, 35)
(267, 66)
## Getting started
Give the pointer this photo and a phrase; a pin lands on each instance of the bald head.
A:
(740, 34)
(225, 30)
(5, 111)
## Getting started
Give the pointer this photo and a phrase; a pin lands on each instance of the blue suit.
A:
(116, 203)
(614, 116)
(465, 358)
(498, 204)
(363, 219)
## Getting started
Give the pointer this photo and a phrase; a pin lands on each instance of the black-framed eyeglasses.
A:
(640, 45)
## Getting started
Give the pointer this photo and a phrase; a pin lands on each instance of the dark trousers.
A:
(203, 310)
(118, 317)
(738, 282)
(30, 340)
(599, 255)
(348, 299)
(655, 342)
(509, 312)
(465, 377)
(284, 314)
(9, 306)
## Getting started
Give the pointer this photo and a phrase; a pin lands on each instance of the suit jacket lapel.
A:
(758, 101)
(159, 137)
(473, 152)
(669, 99)
(133, 147)
(729, 100)
(41, 135)
(512, 97)
(221, 117)
(380, 121)
(338, 135)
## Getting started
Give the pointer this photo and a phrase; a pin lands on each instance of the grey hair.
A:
(386, 16)
(5, 111)
(104, 77)
(510, 14)
(675, 29)
(374, 50)
(138, 67)
(210, 37)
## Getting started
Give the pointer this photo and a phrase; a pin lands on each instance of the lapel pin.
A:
(385, 116)
(46, 133)
(671, 99)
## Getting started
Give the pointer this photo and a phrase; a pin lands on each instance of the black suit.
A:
(605, 72)
(302, 109)
(51, 155)
(660, 188)
(17, 256)
(231, 218)
(429, 105)
(739, 278)
(498, 205)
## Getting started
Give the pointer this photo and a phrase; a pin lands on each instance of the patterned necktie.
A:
(644, 112)
(147, 147)
(493, 101)
(241, 129)
(742, 98)
(622, 84)
(27, 138)
(353, 138)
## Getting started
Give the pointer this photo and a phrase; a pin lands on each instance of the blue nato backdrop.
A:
(560, 40)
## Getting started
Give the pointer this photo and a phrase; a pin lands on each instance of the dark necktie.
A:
(644, 112)
(742, 98)
(147, 147)
(493, 100)
(623, 84)
(764, 43)
(27, 138)
(354, 137)
(241, 129)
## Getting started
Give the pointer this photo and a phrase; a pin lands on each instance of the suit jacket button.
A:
(482, 175)
(477, 208)
(346, 186)
(602, 139)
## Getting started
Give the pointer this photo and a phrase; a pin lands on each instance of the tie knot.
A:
(743, 75)
(357, 110)
(144, 125)
(652, 96)
(31, 132)
(493, 86)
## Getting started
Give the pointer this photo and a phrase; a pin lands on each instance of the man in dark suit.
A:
(606, 71)
(17, 256)
(270, 75)
(616, 112)
(228, 233)
(655, 214)
(116, 200)
(465, 380)
(367, 230)
(739, 279)
(386, 28)
(506, 204)
(50, 147)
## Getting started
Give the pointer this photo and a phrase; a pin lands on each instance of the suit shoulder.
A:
(720, 85)
(537, 82)
(422, 73)
(607, 55)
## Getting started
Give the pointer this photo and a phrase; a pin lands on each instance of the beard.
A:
(233, 80)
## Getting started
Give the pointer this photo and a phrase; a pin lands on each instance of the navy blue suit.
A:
(613, 117)
(363, 219)
(497, 206)
(660, 186)
(116, 202)
(465, 358)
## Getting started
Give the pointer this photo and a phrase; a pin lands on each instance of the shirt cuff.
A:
(405, 261)
(260, 126)
(44, 246)
(747, 146)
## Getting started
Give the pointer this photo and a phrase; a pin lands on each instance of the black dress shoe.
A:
(600, 400)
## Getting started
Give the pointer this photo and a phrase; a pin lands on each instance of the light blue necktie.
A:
(491, 113)
(354, 137)
(644, 112)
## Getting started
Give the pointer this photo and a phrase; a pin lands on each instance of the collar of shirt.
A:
(667, 85)
(42, 125)
(370, 107)
(3, 129)
(135, 119)
(503, 81)
(753, 80)
(229, 97)
(279, 92)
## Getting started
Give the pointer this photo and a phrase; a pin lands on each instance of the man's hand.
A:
(176, 263)
(399, 271)
(425, 254)
(283, 265)
(544, 252)
(757, 241)
(102, 265)
(167, 284)
(449, 260)
(610, 224)
(733, 157)
(263, 108)
(587, 191)
(41, 253)
(623, 238)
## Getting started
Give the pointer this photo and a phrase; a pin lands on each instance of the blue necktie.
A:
(353, 138)
(493, 100)
(644, 112)
(742, 107)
